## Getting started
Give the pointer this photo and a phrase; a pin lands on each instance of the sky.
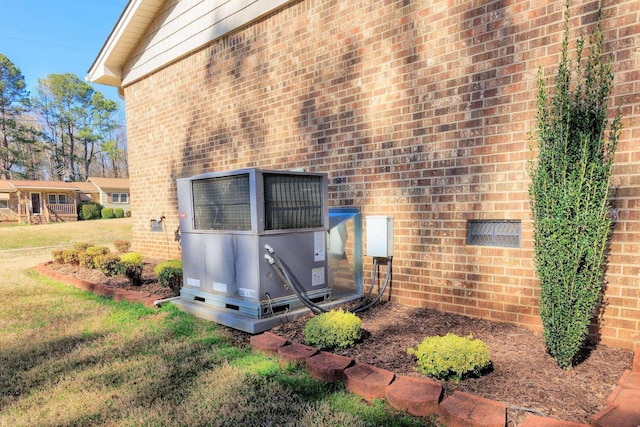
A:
(43, 37)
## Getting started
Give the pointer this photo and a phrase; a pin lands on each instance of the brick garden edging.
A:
(421, 397)
(145, 298)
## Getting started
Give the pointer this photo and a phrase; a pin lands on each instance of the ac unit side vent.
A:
(222, 203)
(292, 201)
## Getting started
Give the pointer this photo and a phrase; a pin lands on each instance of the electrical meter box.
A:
(379, 236)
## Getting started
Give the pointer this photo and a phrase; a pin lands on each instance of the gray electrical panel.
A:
(227, 220)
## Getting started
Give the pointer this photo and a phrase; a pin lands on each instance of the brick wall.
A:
(416, 109)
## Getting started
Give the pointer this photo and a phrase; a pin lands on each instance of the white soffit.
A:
(153, 33)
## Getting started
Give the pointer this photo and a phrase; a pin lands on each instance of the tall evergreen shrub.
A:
(570, 196)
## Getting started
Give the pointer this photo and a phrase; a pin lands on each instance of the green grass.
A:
(70, 358)
(61, 234)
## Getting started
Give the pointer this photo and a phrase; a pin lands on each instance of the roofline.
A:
(107, 67)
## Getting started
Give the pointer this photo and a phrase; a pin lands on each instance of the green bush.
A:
(118, 213)
(451, 356)
(107, 213)
(131, 265)
(90, 210)
(122, 246)
(88, 257)
(109, 264)
(170, 274)
(336, 329)
(570, 196)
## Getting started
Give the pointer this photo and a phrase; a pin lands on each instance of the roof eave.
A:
(107, 68)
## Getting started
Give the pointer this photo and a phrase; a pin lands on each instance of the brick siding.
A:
(416, 109)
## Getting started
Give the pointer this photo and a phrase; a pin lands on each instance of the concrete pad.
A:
(267, 343)
(537, 421)
(327, 367)
(367, 381)
(417, 396)
(467, 410)
(295, 353)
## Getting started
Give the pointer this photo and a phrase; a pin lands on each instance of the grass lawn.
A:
(69, 358)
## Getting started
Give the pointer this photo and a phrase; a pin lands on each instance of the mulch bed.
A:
(149, 284)
(523, 375)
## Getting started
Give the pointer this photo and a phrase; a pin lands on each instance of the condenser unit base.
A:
(237, 320)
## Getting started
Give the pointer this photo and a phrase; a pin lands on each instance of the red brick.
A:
(360, 106)
(616, 416)
(295, 353)
(367, 381)
(267, 343)
(537, 421)
(417, 396)
(467, 410)
(327, 366)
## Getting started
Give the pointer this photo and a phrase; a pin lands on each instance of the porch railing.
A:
(62, 209)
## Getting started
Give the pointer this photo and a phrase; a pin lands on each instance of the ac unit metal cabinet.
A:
(226, 219)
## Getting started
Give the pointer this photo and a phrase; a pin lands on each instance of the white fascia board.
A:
(108, 65)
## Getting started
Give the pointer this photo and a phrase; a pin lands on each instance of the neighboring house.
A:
(112, 192)
(420, 110)
(38, 202)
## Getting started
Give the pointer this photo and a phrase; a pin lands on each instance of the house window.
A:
(4, 204)
(503, 233)
(57, 198)
(119, 198)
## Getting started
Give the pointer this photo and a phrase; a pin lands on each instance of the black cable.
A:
(283, 273)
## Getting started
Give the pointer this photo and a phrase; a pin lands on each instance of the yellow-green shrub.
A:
(170, 274)
(58, 256)
(82, 246)
(336, 329)
(131, 264)
(88, 257)
(71, 256)
(451, 356)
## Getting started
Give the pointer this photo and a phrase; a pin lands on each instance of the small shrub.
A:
(109, 264)
(127, 214)
(122, 246)
(451, 356)
(107, 213)
(170, 274)
(70, 256)
(118, 213)
(336, 329)
(131, 266)
(90, 210)
(82, 246)
(88, 257)
(58, 256)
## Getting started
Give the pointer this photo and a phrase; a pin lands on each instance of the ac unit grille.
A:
(222, 203)
(292, 201)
